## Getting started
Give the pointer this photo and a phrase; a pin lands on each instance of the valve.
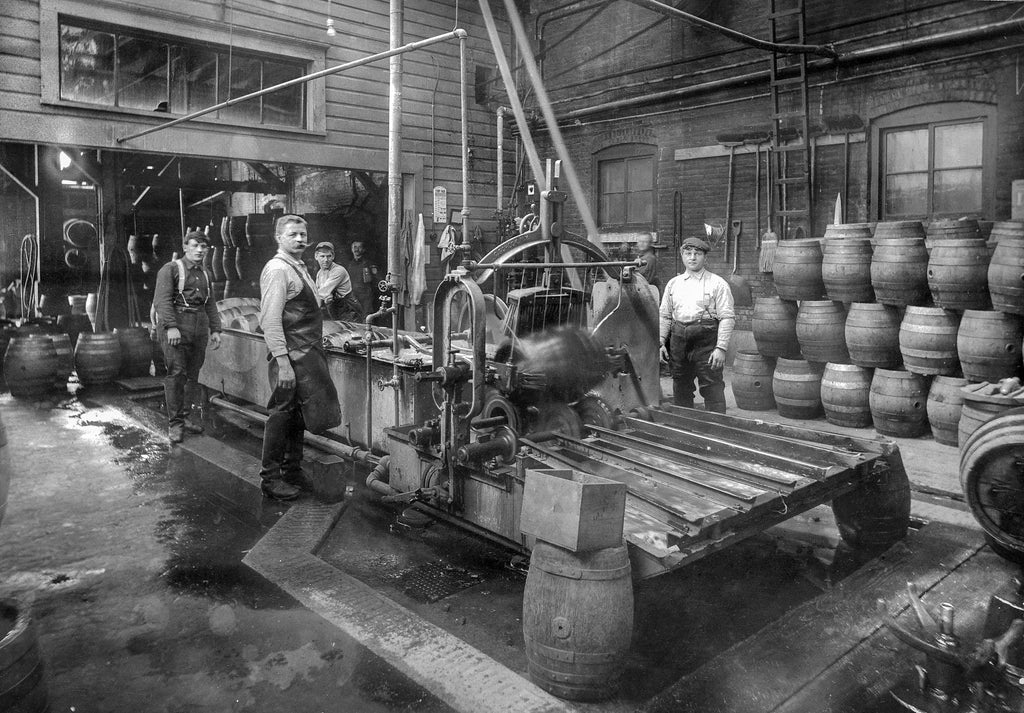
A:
(392, 383)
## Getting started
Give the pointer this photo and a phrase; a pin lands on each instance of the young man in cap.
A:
(333, 283)
(185, 320)
(696, 322)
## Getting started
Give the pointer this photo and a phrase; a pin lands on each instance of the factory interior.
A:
(510, 502)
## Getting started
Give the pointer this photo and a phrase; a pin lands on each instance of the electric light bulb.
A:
(330, 27)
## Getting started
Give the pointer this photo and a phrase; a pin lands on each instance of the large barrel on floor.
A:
(30, 365)
(899, 271)
(136, 350)
(982, 403)
(97, 358)
(1006, 271)
(989, 345)
(846, 269)
(900, 230)
(899, 403)
(797, 270)
(958, 274)
(22, 680)
(821, 331)
(951, 229)
(751, 381)
(845, 391)
(796, 384)
(577, 620)
(928, 340)
(945, 402)
(5, 470)
(774, 327)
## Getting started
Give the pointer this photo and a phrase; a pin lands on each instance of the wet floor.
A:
(134, 574)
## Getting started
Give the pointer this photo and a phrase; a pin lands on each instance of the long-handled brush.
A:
(769, 241)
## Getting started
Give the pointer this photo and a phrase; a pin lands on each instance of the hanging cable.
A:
(28, 276)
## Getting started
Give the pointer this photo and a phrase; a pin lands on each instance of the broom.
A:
(769, 241)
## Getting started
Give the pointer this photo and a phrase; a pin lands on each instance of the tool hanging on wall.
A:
(769, 241)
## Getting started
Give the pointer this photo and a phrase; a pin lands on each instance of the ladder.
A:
(791, 143)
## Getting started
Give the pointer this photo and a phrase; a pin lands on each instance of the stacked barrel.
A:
(903, 329)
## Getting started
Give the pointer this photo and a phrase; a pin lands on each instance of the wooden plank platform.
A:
(833, 654)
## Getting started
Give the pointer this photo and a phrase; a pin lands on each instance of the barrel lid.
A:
(989, 393)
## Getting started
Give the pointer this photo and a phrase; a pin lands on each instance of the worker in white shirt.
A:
(696, 322)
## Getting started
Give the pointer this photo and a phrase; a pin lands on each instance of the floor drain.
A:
(435, 580)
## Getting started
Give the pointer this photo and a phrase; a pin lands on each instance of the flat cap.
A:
(698, 243)
(324, 246)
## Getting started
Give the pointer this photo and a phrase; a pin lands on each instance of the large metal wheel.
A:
(594, 411)
(992, 477)
(557, 417)
(876, 515)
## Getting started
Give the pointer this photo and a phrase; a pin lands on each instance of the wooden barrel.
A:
(797, 270)
(227, 263)
(97, 358)
(30, 365)
(225, 232)
(774, 326)
(65, 362)
(928, 340)
(900, 230)
(259, 229)
(577, 620)
(236, 226)
(821, 331)
(751, 381)
(875, 515)
(958, 274)
(989, 345)
(982, 403)
(22, 680)
(899, 271)
(846, 269)
(847, 231)
(945, 401)
(899, 403)
(73, 325)
(944, 229)
(845, 392)
(796, 384)
(136, 351)
(1006, 275)
(873, 335)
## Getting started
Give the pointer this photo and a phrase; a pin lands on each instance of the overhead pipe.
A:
(780, 47)
(420, 44)
(866, 54)
(552, 123)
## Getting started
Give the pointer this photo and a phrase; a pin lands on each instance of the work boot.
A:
(176, 432)
(194, 428)
(715, 406)
(277, 489)
(297, 478)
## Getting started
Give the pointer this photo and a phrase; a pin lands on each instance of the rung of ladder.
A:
(788, 115)
(786, 81)
(785, 13)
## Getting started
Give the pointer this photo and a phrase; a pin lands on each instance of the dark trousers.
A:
(312, 404)
(183, 361)
(690, 346)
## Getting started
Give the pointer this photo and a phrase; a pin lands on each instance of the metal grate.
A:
(433, 581)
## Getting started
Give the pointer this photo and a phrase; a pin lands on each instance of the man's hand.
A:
(173, 336)
(664, 353)
(215, 340)
(717, 358)
(285, 374)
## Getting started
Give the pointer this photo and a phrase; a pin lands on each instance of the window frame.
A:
(929, 117)
(625, 153)
(168, 26)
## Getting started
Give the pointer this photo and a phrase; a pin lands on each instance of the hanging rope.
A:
(28, 276)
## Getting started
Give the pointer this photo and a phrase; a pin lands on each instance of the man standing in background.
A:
(365, 276)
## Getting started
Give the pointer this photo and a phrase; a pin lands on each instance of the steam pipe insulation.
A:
(377, 480)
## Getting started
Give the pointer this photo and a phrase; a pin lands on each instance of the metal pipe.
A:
(394, 192)
(464, 118)
(783, 48)
(361, 455)
(870, 53)
(546, 265)
(513, 98)
(420, 44)
(552, 123)
(501, 162)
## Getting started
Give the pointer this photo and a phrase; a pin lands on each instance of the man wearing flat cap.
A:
(334, 284)
(696, 323)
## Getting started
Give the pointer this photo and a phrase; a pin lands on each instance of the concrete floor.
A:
(131, 554)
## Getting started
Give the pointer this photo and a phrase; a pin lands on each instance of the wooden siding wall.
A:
(355, 102)
(603, 62)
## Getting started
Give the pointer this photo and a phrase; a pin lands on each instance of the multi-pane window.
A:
(933, 169)
(132, 70)
(625, 190)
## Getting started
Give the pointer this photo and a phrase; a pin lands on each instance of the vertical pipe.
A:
(501, 157)
(552, 123)
(464, 117)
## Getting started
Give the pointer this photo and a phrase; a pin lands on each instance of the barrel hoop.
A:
(568, 656)
(570, 572)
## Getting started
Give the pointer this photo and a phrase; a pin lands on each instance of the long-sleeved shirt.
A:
(278, 284)
(196, 294)
(333, 282)
(692, 296)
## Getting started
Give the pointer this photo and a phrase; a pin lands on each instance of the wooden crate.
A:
(572, 509)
